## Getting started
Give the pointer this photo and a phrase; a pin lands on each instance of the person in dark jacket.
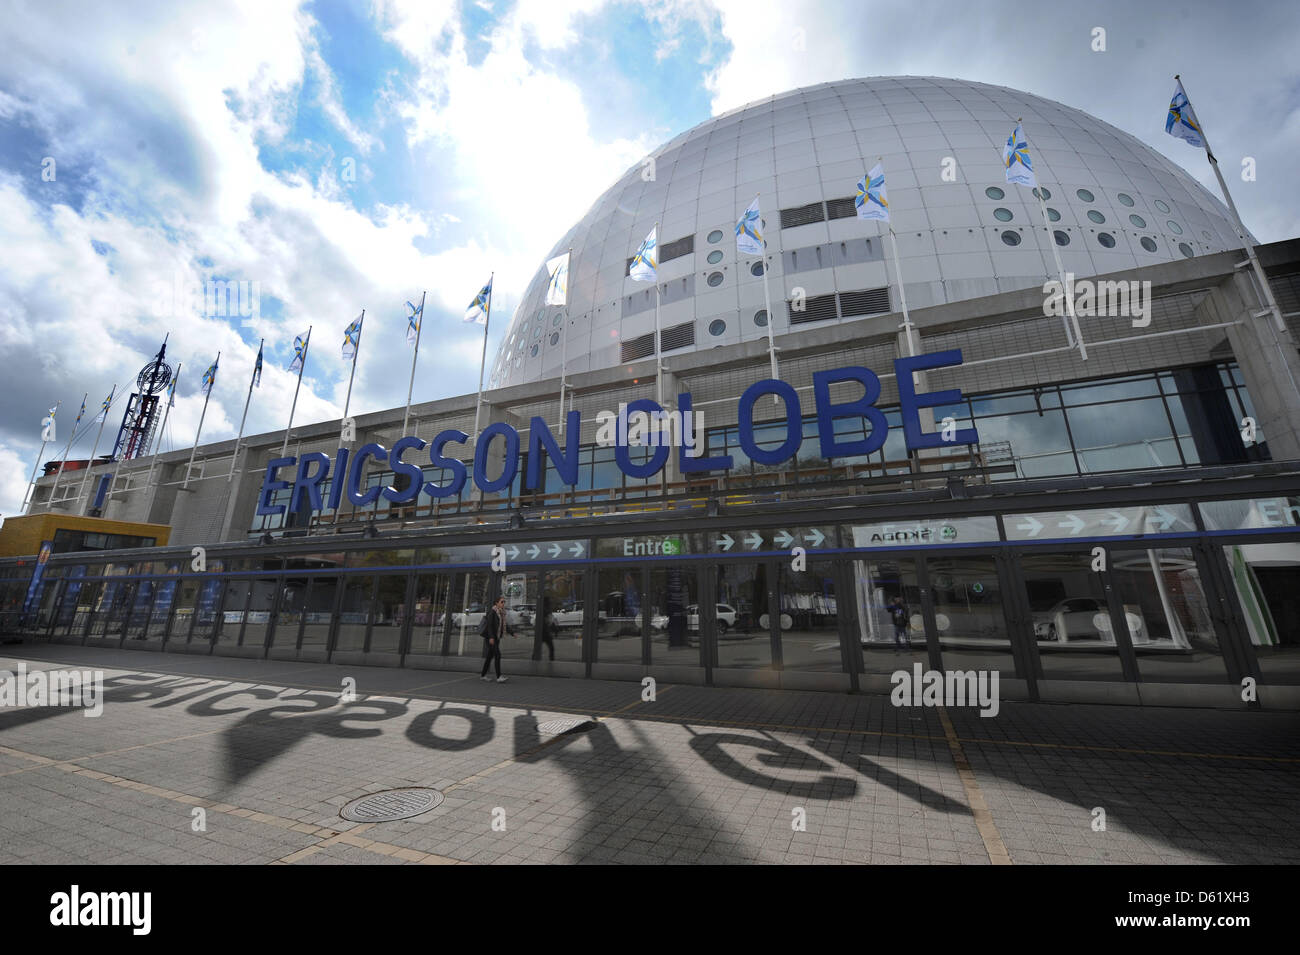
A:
(492, 629)
(898, 613)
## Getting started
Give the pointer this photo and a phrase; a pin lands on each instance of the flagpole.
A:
(487, 321)
(206, 398)
(564, 345)
(347, 402)
(411, 387)
(306, 346)
(659, 365)
(27, 502)
(148, 480)
(59, 473)
(235, 456)
(771, 319)
(95, 448)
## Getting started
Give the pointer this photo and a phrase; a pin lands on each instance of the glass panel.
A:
(111, 612)
(618, 630)
(1168, 616)
(432, 596)
(471, 601)
(258, 617)
(882, 630)
(354, 612)
(319, 613)
(1071, 622)
(162, 603)
(206, 610)
(1128, 436)
(1038, 445)
(1267, 580)
(88, 598)
(810, 638)
(390, 614)
(521, 593)
(672, 589)
(563, 598)
(232, 611)
(140, 608)
(67, 612)
(288, 619)
(742, 618)
(968, 614)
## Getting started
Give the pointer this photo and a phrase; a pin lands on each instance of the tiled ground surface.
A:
(269, 753)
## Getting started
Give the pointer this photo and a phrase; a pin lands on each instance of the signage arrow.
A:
(816, 538)
(725, 541)
(513, 552)
(1116, 522)
(753, 540)
(555, 550)
(1074, 524)
(533, 552)
(577, 549)
(1162, 520)
(782, 539)
(1030, 526)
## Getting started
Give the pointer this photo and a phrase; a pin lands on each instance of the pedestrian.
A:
(550, 626)
(898, 613)
(493, 628)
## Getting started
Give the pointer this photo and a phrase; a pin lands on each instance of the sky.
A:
(344, 155)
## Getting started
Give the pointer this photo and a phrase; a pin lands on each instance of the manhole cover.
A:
(559, 727)
(391, 805)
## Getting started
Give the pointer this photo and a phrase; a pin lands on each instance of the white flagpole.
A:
(487, 321)
(411, 387)
(659, 365)
(27, 501)
(95, 448)
(66, 451)
(235, 456)
(347, 402)
(157, 446)
(771, 320)
(203, 414)
(564, 344)
(306, 346)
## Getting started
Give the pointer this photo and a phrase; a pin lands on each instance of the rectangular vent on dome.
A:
(819, 308)
(872, 301)
(679, 336)
(675, 250)
(802, 215)
(643, 346)
(841, 208)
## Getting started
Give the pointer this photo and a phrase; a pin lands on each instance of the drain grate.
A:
(560, 727)
(391, 805)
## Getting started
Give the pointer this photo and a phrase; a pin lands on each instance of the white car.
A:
(474, 617)
(573, 616)
(658, 621)
(726, 617)
(1069, 619)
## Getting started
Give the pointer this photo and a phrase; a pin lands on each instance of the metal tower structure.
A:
(134, 437)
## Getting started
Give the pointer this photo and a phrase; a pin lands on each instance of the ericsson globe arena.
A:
(963, 232)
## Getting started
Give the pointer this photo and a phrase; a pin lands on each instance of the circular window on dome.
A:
(1011, 238)
(1125, 199)
(533, 351)
(555, 338)
(1205, 235)
(1138, 221)
(715, 257)
(1053, 215)
(1148, 243)
(1106, 240)
(717, 327)
(519, 362)
(1061, 237)
(1174, 227)
(715, 236)
(520, 349)
(1085, 195)
(1041, 193)
(756, 269)
(1186, 249)
(1096, 216)
(559, 317)
(1162, 205)
(715, 279)
(993, 192)
(760, 318)
(1002, 215)
(537, 332)
(541, 313)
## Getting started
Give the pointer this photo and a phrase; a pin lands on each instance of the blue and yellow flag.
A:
(749, 231)
(413, 321)
(872, 202)
(352, 338)
(1020, 168)
(645, 263)
(209, 378)
(1181, 120)
(103, 409)
(478, 309)
(257, 369)
(299, 352)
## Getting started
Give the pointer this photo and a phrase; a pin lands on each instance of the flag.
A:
(645, 264)
(352, 338)
(257, 369)
(1015, 155)
(413, 321)
(80, 413)
(103, 409)
(54, 411)
(872, 202)
(557, 290)
(171, 397)
(478, 309)
(47, 425)
(299, 352)
(749, 231)
(209, 378)
(1181, 121)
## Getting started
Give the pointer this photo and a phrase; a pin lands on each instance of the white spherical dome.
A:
(962, 231)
